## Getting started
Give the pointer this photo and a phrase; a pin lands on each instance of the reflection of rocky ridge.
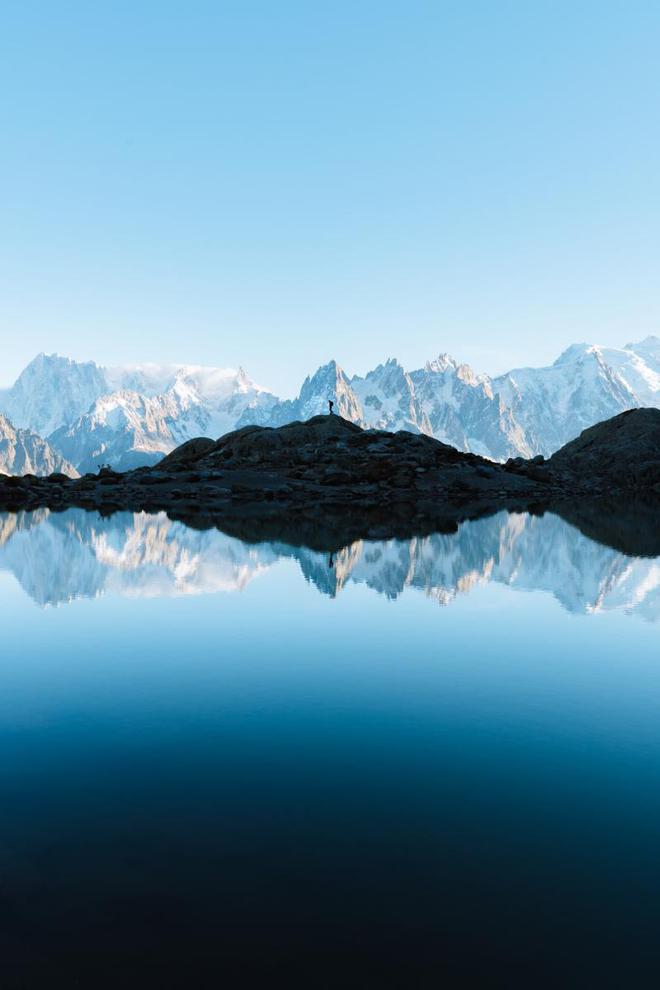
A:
(57, 557)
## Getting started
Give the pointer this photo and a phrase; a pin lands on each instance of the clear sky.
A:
(276, 183)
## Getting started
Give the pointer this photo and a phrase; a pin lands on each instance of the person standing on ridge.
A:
(330, 405)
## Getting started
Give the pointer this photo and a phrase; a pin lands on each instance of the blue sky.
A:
(274, 184)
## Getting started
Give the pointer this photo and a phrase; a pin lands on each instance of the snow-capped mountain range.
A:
(130, 415)
(134, 414)
(58, 557)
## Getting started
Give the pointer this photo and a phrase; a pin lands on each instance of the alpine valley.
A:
(71, 416)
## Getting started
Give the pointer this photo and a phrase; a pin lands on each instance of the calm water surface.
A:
(407, 763)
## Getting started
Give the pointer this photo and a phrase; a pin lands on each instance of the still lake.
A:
(405, 763)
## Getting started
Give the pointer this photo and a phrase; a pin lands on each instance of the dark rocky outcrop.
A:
(328, 464)
(619, 454)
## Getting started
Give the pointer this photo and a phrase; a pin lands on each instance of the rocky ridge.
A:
(328, 462)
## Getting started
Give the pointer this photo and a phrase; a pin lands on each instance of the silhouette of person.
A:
(330, 405)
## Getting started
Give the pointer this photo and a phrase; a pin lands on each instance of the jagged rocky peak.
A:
(445, 399)
(329, 374)
(24, 452)
(443, 363)
(391, 365)
(329, 383)
(389, 375)
(387, 397)
(458, 407)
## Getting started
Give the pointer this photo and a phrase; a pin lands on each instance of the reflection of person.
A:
(330, 405)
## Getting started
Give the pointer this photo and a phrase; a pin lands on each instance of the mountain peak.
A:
(443, 362)
(575, 352)
(331, 367)
(53, 391)
(391, 368)
(331, 372)
(54, 359)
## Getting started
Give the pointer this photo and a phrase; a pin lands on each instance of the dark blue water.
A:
(421, 763)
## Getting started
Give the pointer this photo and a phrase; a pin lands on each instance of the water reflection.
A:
(59, 557)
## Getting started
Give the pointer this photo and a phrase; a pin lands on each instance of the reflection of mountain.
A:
(59, 557)
(529, 553)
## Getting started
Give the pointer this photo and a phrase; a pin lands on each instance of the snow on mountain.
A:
(52, 391)
(461, 409)
(585, 385)
(148, 379)
(23, 452)
(640, 374)
(648, 350)
(387, 398)
(226, 395)
(223, 392)
(127, 430)
(128, 415)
